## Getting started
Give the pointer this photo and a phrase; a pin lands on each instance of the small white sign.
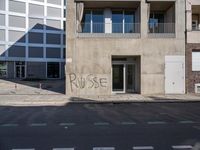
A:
(69, 60)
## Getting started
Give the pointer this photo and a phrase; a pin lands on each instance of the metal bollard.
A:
(15, 86)
(40, 86)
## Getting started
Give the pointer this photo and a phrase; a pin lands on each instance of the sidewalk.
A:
(48, 93)
(61, 100)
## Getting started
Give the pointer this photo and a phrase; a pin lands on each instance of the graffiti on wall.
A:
(87, 81)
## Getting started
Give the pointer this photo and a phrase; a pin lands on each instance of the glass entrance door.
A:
(118, 78)
(20, 70)
(130, 78)
(123, 78)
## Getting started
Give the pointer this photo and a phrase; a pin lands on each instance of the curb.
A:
(63, 103)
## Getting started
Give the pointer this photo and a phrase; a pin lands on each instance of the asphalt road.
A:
(130, 126)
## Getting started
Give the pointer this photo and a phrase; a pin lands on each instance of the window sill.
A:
(161, 35)
(108, 35)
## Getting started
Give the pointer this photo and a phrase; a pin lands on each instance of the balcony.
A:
(161, 20)
(109, 19)
(193, 26)
(196, 18)
(196, 28)
(161, 30)
(110, 29)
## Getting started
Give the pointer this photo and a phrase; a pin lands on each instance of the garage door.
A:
(174, 74)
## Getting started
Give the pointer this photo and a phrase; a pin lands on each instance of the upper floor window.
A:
(123, 21)
(93, 21)
(196, 60)
(195, 22)
(156, 22)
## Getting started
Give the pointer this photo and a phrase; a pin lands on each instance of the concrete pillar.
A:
(188, 16)
(108, 20)
(137, 20)
(144, 19)
(180, 20)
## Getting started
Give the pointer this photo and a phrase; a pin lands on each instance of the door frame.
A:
(124, 63)
(25, 67)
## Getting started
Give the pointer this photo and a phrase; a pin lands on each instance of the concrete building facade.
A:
(32, 39)
(129, 46)
(193, 46)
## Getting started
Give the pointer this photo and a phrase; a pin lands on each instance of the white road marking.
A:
(128, 123)
(101, 123)
(196, 127)
(63, 148)
(186, 121)
(156, 122)
(38, 124)
(24, 149)
(67, 124)
(142, 147)
(9, 125)
(182, 147)
(103, 148)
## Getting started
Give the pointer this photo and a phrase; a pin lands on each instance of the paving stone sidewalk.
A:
(60, 99)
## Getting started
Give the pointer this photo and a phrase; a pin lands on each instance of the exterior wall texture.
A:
(90, 58)
(192, 77)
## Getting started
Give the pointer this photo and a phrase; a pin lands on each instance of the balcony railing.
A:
(123, 28)
(168, 28)
(196, 28)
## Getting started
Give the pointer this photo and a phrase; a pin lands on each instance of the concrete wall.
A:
(193, 37)
(194, 2)
(89, 59)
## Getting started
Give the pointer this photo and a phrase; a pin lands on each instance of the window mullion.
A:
(123, 22)
(91, 22)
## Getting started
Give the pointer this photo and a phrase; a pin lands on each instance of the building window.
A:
(53, 70)
(196, 60)
(3, 69)
(156, 22)
(195, 22)
(123, 21)
(129, 22)
(93, 21)
(117, 21)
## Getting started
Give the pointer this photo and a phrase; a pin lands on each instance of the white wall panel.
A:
(2, 4)
(53, 12)
(16, 6)
(36, 10)
(196, 61)
(2, 20)
(16, 21)
(2, 35)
